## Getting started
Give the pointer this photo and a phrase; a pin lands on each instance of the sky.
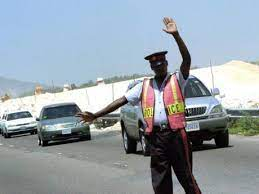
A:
(74, 41)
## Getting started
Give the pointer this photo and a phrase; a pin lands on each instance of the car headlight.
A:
(216, 109)
(48, 127)
(80, 124)
(10, 126)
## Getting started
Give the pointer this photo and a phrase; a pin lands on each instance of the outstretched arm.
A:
(171, 28)
(89, 117)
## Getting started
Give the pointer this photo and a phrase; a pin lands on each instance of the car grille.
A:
(22, 124)
(196, 118)
(66, 125)
(195, 111)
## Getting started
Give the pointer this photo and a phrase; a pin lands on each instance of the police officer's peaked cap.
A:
(156, 56)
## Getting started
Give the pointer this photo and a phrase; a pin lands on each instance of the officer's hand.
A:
(170, 25)
(86, 116)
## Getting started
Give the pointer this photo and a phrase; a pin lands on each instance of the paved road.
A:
(101, 166)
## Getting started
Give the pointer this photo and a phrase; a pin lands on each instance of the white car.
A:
(18, 122)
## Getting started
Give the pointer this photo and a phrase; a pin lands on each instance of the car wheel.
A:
(86, 137)
(7, 135)
(197, 142)
(39, 141)
(144, 144)
(44, 143)
(130, 145)
(222, 139)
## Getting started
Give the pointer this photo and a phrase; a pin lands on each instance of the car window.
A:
(18, 115)
(195, 88)
(60, 111)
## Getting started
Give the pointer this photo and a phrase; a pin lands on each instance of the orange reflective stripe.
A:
(174, 104)
(173, 86)
(148, 100)
(146, 84)
(147, 110)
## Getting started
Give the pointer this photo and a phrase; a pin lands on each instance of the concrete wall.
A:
(237, 81)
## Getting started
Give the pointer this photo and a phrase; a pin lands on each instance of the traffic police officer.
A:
(163, 110)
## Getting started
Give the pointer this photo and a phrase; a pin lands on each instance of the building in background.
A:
(100, 81)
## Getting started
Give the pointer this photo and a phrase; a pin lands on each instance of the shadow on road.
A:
(205, 147)
(67, 141)
(21, 135)
(139, 152)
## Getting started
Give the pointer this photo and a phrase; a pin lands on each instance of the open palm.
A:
(170, 25)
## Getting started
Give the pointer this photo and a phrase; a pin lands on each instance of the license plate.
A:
(192, 126)
(66, 131)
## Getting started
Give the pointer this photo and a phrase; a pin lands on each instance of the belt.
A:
(162, 127)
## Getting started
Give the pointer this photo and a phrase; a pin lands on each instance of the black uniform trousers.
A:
(171, 149)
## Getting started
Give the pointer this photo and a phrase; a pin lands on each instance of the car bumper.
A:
(213, 124)
(59, 134)
(24, 129)
(209, 128)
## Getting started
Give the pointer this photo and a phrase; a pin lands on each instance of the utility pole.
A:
(212, 76)
(52, 85)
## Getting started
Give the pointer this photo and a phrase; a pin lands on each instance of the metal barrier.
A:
(239, 113)
(107, 120)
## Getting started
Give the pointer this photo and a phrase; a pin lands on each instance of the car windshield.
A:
(60, 111)
(195, 88)
(18, 115)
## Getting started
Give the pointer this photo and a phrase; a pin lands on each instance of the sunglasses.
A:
(156, 64)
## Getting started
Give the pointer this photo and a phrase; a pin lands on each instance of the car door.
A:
(135, 120)
(129, 118)
(39, 124)
(1, 122)
(4, 122)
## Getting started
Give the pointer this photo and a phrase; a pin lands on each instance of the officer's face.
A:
(161, 69)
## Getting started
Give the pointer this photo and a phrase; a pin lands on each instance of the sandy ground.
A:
(238, 83)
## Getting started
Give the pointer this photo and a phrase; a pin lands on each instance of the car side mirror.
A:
(222, 95)
(37, 119)
(215, 91)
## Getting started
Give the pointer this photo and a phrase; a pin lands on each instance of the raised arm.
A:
(89, 117)
(171, 28)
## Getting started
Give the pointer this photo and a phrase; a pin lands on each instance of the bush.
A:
(103, 123)
(245, 126)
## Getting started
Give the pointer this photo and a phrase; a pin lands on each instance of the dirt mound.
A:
(238, 81)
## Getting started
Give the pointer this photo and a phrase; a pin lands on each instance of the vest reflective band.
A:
(173, 102)
(148, 103)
